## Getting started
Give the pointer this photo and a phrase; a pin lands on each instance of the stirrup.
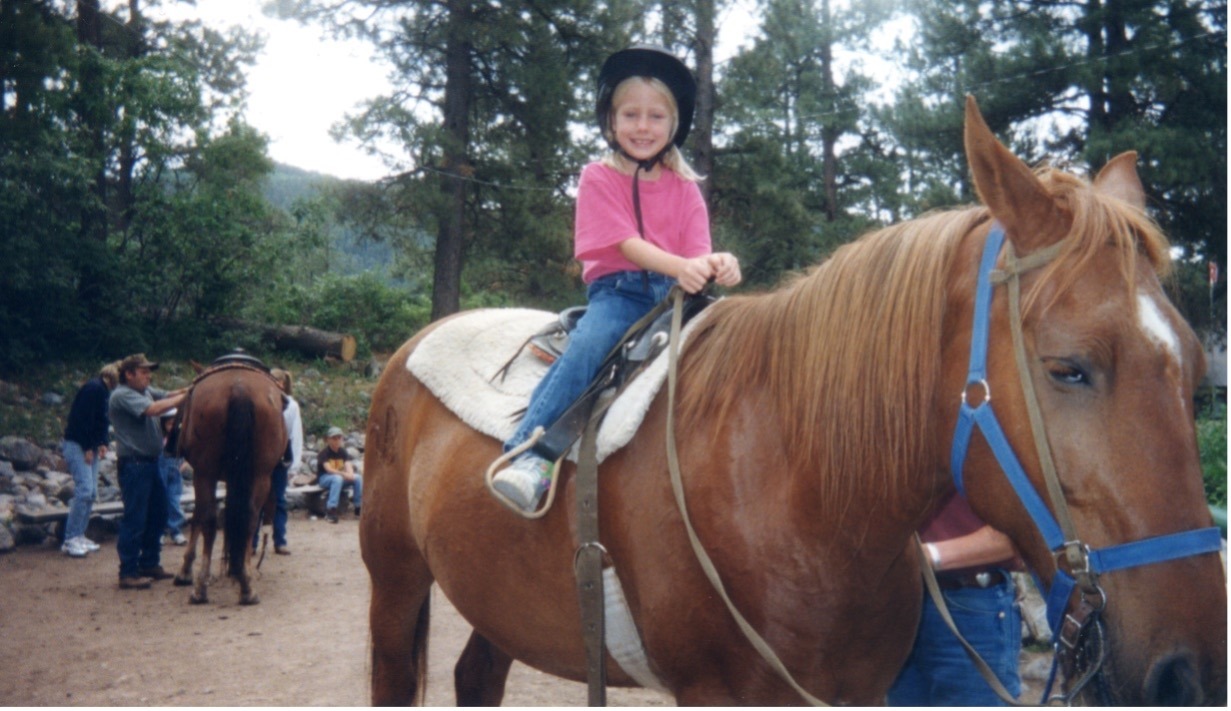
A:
(507, 457)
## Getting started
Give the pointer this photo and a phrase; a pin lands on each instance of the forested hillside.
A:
(139, 209)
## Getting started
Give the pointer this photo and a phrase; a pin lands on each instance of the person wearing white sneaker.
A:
(641, 227)
(75, 548)
(525, 481)
(84, 446)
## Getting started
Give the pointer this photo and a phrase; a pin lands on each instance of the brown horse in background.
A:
(232, 431)
(814, 425)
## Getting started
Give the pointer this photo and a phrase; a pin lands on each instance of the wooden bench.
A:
(103, 509)
(314, 497)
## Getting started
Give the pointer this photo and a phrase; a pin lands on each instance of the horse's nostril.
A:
(1173, 681)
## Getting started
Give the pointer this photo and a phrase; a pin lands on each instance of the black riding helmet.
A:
(647, 61)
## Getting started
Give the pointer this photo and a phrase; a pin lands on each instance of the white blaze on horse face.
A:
(1156, 326)
(1159, 330)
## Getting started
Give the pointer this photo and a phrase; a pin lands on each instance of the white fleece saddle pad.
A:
(459, 362)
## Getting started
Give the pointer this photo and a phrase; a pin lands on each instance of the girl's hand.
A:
(725, 268)
(695, 273)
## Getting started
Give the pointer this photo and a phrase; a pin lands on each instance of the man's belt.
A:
(982, 579)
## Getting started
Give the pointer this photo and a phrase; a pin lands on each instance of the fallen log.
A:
(303, 339)
(313, 341)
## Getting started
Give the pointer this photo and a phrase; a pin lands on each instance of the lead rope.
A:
(707, 565)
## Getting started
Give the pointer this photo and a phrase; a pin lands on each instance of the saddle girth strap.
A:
(588, 560)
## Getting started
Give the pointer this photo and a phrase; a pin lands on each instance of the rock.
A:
(7, 541)
(1034, 611)
(374, 368)
(24, 454)
(9, 392)
(52, 399)
(59, 476)
(50, 488)
(1037, 669)
(36, 500)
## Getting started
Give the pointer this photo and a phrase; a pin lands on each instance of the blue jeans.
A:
(173, 480)
(938, 672)
(334, 483)
(85, 488)
(277, 489)
(616, 302)
(145, 516)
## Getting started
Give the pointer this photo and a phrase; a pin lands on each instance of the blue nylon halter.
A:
(1137, 553)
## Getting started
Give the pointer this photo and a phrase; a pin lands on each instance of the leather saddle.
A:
(643, 342)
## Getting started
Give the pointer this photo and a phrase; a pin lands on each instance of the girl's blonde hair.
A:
(673, 158)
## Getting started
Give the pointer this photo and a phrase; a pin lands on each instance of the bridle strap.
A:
(1085, 563)
(1011, 274)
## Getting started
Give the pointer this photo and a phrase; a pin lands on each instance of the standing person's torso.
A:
(136, 435)
(87, 418)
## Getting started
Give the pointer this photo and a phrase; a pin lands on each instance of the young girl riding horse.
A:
(641, 227)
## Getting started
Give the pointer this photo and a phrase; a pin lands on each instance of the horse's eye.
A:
(1066, 373)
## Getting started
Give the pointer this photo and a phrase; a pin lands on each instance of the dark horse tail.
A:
(237, 458)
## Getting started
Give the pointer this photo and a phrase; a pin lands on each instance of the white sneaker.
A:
(524, 482)
(89, 545)
(179, 539)
(74, 548)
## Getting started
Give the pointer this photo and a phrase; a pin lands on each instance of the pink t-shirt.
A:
(672, 209)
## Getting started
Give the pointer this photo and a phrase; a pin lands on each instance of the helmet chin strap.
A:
(647, 166)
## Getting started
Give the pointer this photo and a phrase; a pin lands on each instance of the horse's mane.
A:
(848, 354)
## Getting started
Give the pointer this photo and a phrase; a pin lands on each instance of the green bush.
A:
(1212, 441)
(380, 316)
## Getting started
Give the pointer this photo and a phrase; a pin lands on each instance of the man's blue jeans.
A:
(615, 303)
(277, 489)
(145, 516)
(85, 488)
(173, 480)
(334, 483)
(938, 672)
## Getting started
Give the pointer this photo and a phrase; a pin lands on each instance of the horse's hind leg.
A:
(400, 617)
(247, 593)
(200, 590)
(184, 577)
(480, 673)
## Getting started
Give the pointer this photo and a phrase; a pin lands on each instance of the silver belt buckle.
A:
(983, 579)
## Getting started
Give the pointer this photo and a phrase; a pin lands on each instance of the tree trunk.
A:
(313, 342)
(829, 133)
(703, 121)
(303, 339)
(450, 237)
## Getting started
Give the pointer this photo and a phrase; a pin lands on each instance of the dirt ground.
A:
(70, 637)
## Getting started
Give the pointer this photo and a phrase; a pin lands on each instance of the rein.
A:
(1079, 633)
(677, 487)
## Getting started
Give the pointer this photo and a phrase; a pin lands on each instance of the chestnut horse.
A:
(814, 426)
(231, 431)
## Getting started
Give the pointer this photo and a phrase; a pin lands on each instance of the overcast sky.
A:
(304, 83)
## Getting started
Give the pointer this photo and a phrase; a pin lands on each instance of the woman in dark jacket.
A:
(84, 446)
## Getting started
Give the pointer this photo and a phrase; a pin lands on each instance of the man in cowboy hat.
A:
(134, 409)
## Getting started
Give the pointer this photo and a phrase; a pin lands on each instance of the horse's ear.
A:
(197, 367)
(1119, 179)
(1010, 189)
